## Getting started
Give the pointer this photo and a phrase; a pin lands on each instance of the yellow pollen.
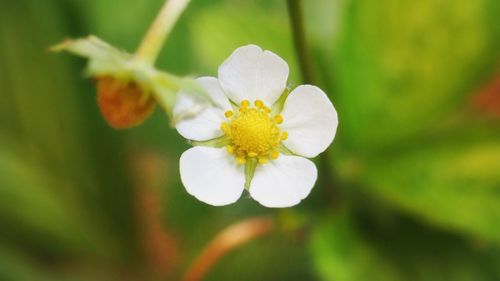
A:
(275, 154)
(263, 160)
(278, 119)
(253, 132)
(224, 127)
(259, 104)
(284, 136)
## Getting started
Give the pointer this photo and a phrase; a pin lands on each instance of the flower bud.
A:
(128, 88)
(123, 104)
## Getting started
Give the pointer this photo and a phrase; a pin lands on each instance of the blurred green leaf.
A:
(394, 249)
(452, 182)
(52, 115)
(217, 31)
(121, 23)
(17, 266)
(32, 205)
(401, 67)
(14, 267)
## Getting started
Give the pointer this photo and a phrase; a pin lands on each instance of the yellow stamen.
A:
(253, 132)
(275, 154)
(263, 160)
(278, 119)
(284, 135)
(259, 104)
(224, 127)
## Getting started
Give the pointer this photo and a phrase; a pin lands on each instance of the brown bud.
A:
(123, 104)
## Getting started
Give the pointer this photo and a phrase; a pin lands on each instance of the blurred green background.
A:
(409, 190)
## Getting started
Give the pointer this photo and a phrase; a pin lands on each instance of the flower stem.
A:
(159, 30)
(327, 180)
(228, 239)
(299, 38)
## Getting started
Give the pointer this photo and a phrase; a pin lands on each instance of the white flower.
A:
(256, 135)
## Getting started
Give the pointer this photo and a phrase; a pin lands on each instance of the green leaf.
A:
(14, 267)
(217, 31)
(452, 182)
(401, 67)
(33, 206)
(353, 248)
(61, 143)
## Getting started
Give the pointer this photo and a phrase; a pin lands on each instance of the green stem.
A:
(327, 179)
(159, 30)
(299, 38)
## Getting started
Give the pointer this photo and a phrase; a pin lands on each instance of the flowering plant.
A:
(256, 135)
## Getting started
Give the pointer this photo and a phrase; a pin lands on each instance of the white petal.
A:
(283, 182)
(251, 73)
(206, 120)
(211, 175)
(310, 120)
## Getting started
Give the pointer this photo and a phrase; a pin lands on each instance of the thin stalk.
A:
(302, 49)
(299, 38)
(159, 30)
(228, 239)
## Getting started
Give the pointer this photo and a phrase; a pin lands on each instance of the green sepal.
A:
(250, 166)
(278, 105)
(284, 150)
(91, 47)
(217, 142)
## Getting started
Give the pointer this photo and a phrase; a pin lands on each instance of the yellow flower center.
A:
(253, 132)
